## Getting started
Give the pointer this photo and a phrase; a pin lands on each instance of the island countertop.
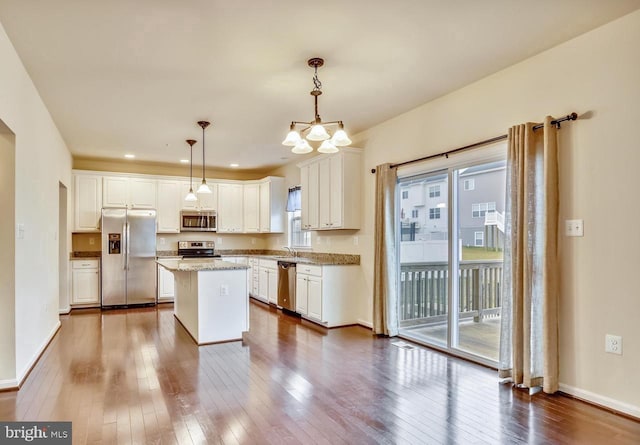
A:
(198, 264)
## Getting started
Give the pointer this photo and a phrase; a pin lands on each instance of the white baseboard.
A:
(25, 371)
(365, 323)
(603, 401)
(64, 311)
(8, 384)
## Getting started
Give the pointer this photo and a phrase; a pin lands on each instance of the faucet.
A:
(292, 252)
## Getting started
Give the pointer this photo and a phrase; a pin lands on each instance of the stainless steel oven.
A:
(198, 221)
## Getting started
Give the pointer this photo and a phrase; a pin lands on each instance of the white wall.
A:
(598, 76)
(42, 160)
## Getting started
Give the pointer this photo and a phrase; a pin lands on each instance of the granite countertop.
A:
(320, 259)
(199, 264)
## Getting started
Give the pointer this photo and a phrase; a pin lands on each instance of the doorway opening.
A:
(63, 258)
(8, 234)
(451, 232)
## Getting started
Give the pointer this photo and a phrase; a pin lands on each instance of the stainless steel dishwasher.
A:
(287, 285)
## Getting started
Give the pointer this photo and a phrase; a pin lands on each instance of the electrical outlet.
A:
(574, 227)
(253, 241)
(355, 240)
(92, 241)
(162, 241)
(613, 344)
(224, 290)
(219, 242)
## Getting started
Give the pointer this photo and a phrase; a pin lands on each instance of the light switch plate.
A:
(574, 227)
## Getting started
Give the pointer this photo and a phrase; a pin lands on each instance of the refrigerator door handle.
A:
(127, 250)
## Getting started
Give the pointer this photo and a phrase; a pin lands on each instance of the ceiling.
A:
(125, 76)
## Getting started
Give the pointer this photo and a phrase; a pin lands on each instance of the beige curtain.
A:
(529, 335)
(385, 276)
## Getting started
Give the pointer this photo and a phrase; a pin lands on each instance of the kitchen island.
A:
(212, 300)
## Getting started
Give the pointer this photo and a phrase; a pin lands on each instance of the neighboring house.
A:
(481, 199)
(424, 213)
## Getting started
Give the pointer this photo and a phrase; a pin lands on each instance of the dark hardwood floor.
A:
(135, 376)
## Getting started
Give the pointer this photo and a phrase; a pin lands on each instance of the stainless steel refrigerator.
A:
(128, 257)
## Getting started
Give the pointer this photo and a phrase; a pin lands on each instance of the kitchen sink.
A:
(292, 259)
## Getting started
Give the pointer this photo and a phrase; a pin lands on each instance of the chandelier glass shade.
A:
(204, 188)
(316, 130)
(191, 196)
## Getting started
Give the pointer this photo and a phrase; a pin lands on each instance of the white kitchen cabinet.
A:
(166, 285)
(88, 203)
(314, 295)
(273, 202)
(327, 294)
(169, 205)
(254, 273)
(230, 207)
(206, 201)
(251, 205)
(302, 293)
(309, 196)
(85, 282)
(268, 281)
(130, 192)
(331, 196)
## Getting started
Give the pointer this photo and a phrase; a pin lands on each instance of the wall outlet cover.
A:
(613, 344)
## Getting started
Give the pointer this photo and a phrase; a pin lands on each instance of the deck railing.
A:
(424, 290)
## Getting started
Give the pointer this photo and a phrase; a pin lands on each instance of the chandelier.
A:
(316, 130)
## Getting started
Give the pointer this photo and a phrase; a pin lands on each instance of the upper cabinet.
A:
(251, 204)
(169, 205)
(230, 208)
(254, 206)
(134, 193)
(331, 191)
(87, 203)
(273, 198)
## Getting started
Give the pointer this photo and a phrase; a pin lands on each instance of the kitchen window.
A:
(297, 236)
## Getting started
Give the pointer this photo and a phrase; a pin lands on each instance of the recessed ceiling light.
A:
(184, 161)
(234, 165)
(129, 156)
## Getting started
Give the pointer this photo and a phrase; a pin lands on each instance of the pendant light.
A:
(191, 196)
(204, 188)
(316, 129)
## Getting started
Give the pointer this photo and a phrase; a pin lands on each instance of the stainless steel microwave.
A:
(198, 221)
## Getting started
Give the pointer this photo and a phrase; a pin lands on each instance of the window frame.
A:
(475, 238)
(434, 213)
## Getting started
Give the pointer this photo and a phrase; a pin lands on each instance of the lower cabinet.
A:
(268, 281)
(85, 283)
(166, 285)
(254, 277)
(326, 294)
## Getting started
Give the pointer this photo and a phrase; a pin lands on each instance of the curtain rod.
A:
(556, 122)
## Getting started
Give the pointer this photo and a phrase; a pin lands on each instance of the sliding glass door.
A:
(451, 225)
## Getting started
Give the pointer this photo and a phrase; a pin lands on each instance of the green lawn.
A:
(480, 253)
